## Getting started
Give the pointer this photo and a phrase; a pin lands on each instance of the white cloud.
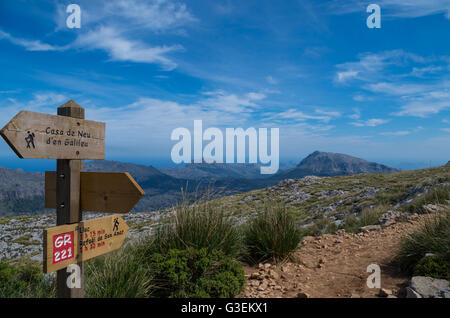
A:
(299, 116)
(232, 103)
(346, 75)
(361, 98)
(330, 114)
(422, 71)
(152, 15)
(446, 129)
(155, 15)
(119, 48)
(117, 28)
(397, 88)
(45, 102)
(271, 80)
(394, 8)
(423, 108)
(356, 114)
(30, 45)
(370, 122)
(416, 99)
(396, 133)
(370, 65)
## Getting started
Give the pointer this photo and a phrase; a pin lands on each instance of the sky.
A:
(313, 69)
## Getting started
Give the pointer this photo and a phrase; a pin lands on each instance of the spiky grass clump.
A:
(368, 216)
(198, 226)
(432, 237)
(272, 235)
(436, 195)
(121, 274)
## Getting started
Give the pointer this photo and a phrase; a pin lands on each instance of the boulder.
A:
(428, 287)
(369, 228)
(388, 218)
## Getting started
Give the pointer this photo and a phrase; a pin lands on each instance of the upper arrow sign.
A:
(113, 192)
(43, 136)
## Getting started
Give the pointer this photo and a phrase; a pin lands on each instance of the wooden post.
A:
(68, 208)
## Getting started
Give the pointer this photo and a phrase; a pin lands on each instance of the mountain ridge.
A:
(23, 192)
(333, 164)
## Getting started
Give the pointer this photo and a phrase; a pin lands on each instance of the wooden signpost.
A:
(70, 139)
(78, 242)
(114, 192)
(42, 136)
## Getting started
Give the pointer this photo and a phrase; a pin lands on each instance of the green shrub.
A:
(23, 281)
(274, 234)
(198, 226)
(433, 267)
(368, 216)
(433, 237)
(437, 195)
(192, 273)
(120, 274)
(320, 226)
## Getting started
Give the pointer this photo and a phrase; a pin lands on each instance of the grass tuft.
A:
(272, 235)
(198, 226)
(432, 237)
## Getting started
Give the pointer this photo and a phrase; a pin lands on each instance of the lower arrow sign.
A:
(73, 243)
(113, 192)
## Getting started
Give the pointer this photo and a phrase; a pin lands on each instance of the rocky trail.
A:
(335, 265)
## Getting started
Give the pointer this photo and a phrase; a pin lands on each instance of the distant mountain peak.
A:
(321, 163)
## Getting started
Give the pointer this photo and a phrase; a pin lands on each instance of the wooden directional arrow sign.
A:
(114, 192)
(43, 136)
(74, 243)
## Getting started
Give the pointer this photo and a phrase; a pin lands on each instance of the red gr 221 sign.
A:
(63, 247)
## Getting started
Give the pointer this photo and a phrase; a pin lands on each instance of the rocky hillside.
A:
(321, 205)
(139, 172)
(21, 191)
(333, 164)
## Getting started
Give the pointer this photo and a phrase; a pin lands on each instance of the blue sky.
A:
(311, 68)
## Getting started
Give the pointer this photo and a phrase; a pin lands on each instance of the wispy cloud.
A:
(119, 48)
(423, 71)
(151, 15)
(220, 100)
(356, 114)
(294, 115)
(370, 122)
(119, 28)
(30, 45)
(396, 133)
(424, 107)
(361, 98)
(271, 80)
(369, 66)
(394, 8)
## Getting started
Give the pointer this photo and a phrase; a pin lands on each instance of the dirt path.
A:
(333, 266)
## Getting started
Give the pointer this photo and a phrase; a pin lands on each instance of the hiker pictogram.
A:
(116, 225)
(30, 140)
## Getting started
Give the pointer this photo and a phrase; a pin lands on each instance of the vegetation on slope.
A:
(426, 252)
(196, 250)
